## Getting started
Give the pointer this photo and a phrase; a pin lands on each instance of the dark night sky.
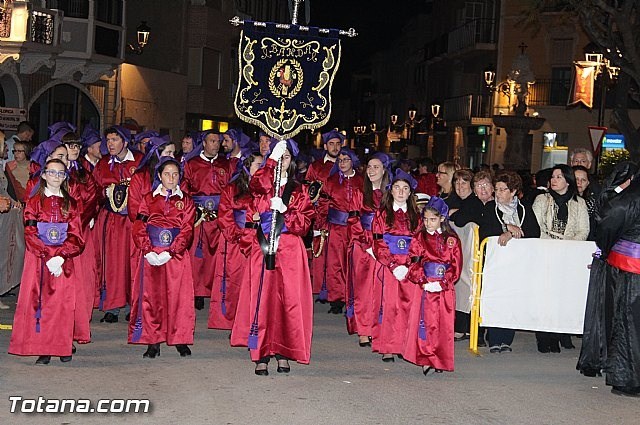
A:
(376, 21)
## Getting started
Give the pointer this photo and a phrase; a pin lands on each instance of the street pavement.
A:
(344, 384)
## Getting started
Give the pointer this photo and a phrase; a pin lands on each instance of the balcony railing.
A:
(463, 108)
(478, 31)
(5, 22)
(549, 92)
(41, 27)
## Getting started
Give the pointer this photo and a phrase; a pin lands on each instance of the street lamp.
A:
(142, 32)
(503, 87)
(607, 74)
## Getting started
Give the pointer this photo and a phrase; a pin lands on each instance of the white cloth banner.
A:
(464, 286)
(536, 284)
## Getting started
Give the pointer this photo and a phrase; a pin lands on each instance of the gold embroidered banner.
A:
(583, 82)
(284, 82)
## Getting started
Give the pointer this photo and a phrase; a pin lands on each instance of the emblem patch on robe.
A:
(132, 170)
(180, 205)
(451, 242)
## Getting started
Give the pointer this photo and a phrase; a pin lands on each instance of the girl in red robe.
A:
(235, 220)
(436, 262)
(275, 310)
(162, 294)
(43, 324)
(393, 228)
(360, 285)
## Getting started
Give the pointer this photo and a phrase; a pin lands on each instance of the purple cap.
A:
(333, 134)
(164, 160)
(401, 175)
(292, 146)
(43, 150)
(145, 134)
(355, 161)
(90, 136)
(439, 205)
(152, 149)
(59, 129)
(124, 133)
(239, 137)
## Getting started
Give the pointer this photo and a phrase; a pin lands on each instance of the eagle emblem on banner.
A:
(285, 79)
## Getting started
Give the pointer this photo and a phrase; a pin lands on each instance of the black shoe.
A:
(555, 347)
(43, 360)
(73, 348)
(388, 359)
(494, 349)
(199, 303)
(109, 318)
(261, 371)
(544, 348)
(366, 343)
(565, 341)
(127, 316)
(65, 359)
(429, 370)
(626, 391)
(153, 351)
(460, 337)
(318, 300)
(284, 369)
(482, 343)
(183, 349)
(591, 373)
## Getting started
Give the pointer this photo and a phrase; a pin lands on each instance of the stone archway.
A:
(10, 92)
(63, 102)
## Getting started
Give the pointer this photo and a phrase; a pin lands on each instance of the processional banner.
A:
(583, 81)
(285, 79)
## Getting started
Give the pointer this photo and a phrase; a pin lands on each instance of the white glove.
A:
(92, 223)
(163, 257)
(278, 205)
(432, 287)
(316, 233)
(152, 258)
(370, 252)
(400, 272)
(278, 150)
(55, 265)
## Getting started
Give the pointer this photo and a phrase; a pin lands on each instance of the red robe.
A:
(162, 296)
(205, 178)
(346, 197)
(232, 258)
(285, 314)
(427, 184)
(58, 295)
(140, 185)
(392, 299)
(87, 289)
(437, 309)
(363, 277)
(114, 247)
(319, 171)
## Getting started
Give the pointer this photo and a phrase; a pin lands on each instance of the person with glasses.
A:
(507, 218)
(24, 133)
(393, 227)
(343, 198)
(444, 179)
(17, 171)
(43, 323)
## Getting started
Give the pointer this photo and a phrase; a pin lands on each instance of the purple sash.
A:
(627, 248)
(52, 234)
(338, 217)
(435, 270)
(240, 216)
(162, 237)
(366, 219)
(208, 202)
(398, 245)
(265, 223)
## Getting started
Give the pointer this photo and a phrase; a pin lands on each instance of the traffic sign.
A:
(596, 134)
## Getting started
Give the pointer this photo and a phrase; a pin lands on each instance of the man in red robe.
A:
(113, 173)
(205, 175)
(317, 176)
